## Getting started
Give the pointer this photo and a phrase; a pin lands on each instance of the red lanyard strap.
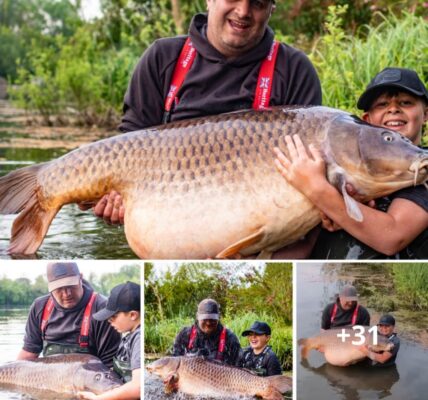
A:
(47, 311)
(84, 328)
(264, 82)
(185, 61)
(192, 338)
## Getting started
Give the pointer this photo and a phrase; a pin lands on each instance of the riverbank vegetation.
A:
(74, 71)
(245, 291)
(22, 291)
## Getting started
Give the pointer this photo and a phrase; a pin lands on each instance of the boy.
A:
(258, 356)
(385, 327)
(123, 313)
(395, 99)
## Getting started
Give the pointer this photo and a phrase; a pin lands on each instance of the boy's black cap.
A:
(123, 297)
(261, 328)
(386, 319)
(400, 78)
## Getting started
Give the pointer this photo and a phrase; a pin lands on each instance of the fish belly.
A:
(259, 215)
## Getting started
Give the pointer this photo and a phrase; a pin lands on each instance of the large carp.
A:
(343, 352)
(68, 373)
(208, 187)
(198, 377)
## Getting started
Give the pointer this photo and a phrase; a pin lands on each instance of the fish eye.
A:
(387, 137)
(98, 377)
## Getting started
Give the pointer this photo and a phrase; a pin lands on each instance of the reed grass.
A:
(346, 63)
(411, 284)
(159, 336)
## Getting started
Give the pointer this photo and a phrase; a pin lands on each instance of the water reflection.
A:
(355, 379)
(317, 285)
(73, 233)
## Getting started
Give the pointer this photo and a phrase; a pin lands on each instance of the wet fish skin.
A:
(68, 373)
(341, 353)
(208, 187)
(199, 377)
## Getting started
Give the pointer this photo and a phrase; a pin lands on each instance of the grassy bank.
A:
(159, 337)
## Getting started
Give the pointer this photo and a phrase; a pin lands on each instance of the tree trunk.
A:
(177, 16)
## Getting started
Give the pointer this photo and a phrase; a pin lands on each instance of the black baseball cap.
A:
(400, 78)
(124, 297)
(386, 319)
(260, 328)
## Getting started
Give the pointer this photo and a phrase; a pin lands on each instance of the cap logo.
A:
(388, 77)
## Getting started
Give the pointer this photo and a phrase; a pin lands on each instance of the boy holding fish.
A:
(123, 313)
(397, 100)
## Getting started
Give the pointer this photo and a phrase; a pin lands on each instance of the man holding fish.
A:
(61, 322)
(232, 46)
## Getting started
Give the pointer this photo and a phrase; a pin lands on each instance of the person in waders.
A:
(345, 311)
(208, 337)
(123, 312)
(259, 357)
(228, 61)
(386, 328)
(62, 322)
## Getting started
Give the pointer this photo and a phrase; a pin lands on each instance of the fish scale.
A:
(199, 377)
(59, 373)
(208, 187)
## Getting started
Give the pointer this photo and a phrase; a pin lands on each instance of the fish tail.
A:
(304, 351)
(18, 195)
(30, 228)
(16, 188)
(280, 383)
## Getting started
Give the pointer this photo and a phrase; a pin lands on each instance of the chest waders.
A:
(257, 367)
(123, 369)
(50, 348)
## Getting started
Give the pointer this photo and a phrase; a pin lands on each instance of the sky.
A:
(30, 269)
(91, 9)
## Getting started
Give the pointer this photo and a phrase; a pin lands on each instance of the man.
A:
(208, 337)
(123, 312)
(345, 311)
(231, 44)
(258, 356)
(385, 327)
(61, 322)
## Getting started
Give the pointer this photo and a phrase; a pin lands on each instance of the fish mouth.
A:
(420, 167)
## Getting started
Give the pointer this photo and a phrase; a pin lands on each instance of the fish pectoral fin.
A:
(171, 383)
(351, 204)
(235, 249)
(270, 394)
(280, 383)
(30, 228)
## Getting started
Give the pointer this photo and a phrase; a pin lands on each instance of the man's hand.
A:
(110, 208)
(87, 395)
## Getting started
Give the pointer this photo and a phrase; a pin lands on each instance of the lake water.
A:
(316, 287)
(73, 233)
(12, 327)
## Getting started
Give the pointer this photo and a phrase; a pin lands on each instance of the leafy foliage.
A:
(22, 291)
(246, 292)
